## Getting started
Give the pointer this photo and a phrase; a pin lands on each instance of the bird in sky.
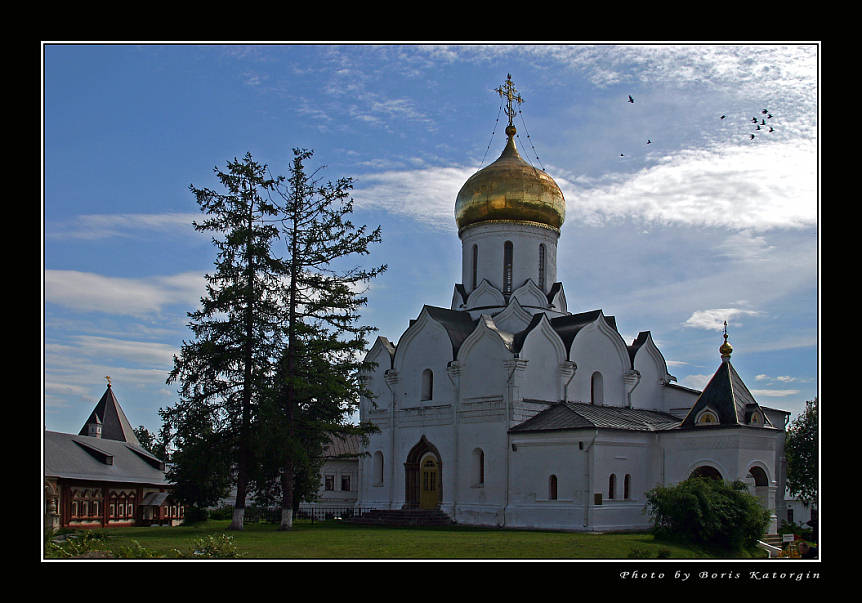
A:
(770, 129)
(764, 111)
(723, 116)
(649, 141)
(631, 100)
(752, 137)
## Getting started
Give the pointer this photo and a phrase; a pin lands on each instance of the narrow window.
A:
(507, 268)
(427, 384)
(596, 388)
(475, 265)
(552, 487)
(542, 266)
(612, 483)
(378, 467)
(478, 467)
(627, 487)
(345, 483)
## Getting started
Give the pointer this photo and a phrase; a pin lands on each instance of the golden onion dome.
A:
(510, 190)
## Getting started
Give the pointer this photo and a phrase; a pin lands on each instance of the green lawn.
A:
(338, 540)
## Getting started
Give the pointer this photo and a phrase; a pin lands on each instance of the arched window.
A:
(507, 267)
(612, 485)
(706, 417)
(596, 388)
(475, 264)
(378, 468)
(552, 487)
(542, 266)
(627, 487)
(478, 467)
(427, 384)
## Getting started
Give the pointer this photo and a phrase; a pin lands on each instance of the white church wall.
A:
(621, 454)
(482, 356)
(544, 351)
(596, 349)
(535, 461)
(425, 345)
(489, 239)
(481, 492)
(678, 400)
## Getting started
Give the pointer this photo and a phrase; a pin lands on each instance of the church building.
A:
(506, 409)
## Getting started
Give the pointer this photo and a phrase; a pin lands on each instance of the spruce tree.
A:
(237, 330)
(319, 384)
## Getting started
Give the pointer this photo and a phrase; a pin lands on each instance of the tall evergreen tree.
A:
(237, 328)
(801, 452)
(319, 383)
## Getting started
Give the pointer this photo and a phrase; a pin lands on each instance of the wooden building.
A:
(101, 477)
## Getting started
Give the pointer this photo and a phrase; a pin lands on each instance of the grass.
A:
(339, 540)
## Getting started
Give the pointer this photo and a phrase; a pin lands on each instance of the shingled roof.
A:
(579, 415)
(115, 425)
(728, 397)
(72, 456)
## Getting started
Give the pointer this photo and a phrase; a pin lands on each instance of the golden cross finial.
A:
(508, 90)
(109, 380)
(725, 330)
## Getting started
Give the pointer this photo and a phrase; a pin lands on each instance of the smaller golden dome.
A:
(510, 189)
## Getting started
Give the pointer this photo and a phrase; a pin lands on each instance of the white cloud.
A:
(425, 195)
(89, 292)
(714, 319)
(774, 393)
(754, 188)
(101, 226)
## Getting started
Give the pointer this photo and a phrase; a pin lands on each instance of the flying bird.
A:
(631, 100)
(621, 155)
(754, 120)
(764, 111)
(770, 129)
(649, 141)
(752, 137)
(723, 116)
(769, 116)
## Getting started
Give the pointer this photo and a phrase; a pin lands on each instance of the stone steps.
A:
(404, 517)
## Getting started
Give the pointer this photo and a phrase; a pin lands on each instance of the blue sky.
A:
(701, 225)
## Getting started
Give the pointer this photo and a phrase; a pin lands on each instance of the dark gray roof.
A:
(636, 345)
(568, 326)
(728, 396)
(115, 425)
(457, 323)
(83, 457)
(578, 415)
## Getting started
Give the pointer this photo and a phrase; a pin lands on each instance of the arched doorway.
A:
(423, 471)
(706, 471)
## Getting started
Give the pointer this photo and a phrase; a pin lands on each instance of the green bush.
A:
(75, 544)
(220, 546)
(709, 512)
(639, 553)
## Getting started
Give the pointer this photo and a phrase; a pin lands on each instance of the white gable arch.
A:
(597, 347)
(482, 357)
(513, 318)
(530, 296)
(485, 296)
(545, 354)
(486, 329)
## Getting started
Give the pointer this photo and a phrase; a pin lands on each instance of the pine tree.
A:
(223, 371)
(319, 384)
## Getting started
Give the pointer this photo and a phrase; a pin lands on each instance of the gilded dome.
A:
(510, 190)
